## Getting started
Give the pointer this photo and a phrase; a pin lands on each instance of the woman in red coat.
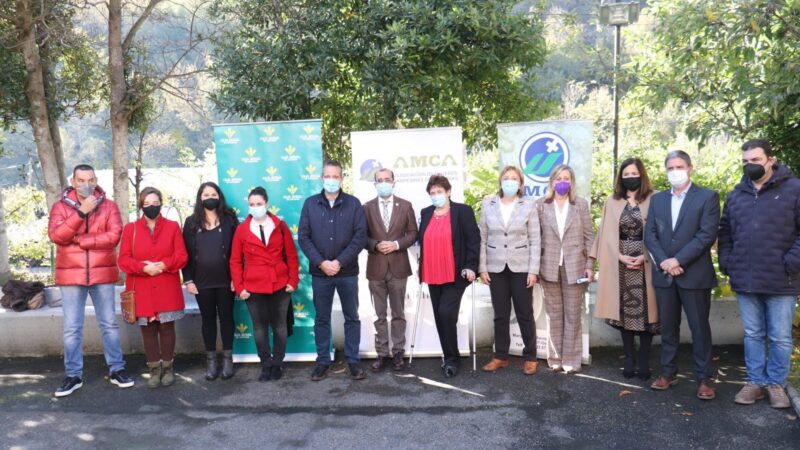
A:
(152, 254)
(264, 270)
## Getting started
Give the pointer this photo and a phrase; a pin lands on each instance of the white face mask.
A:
(678, 177)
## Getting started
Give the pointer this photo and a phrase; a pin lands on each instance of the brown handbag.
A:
(127, 299)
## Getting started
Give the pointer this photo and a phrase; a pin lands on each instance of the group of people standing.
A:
(653, 250)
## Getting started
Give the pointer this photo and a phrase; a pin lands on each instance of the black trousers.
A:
(446, 301)
(269, 310)
(696, 303)
(509, 287)
(213, 303)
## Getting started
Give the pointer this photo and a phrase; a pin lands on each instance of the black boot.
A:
(276, 372)
(227, 364)
(628, 370)
(212, 369)
(266, 372)
(645, 341)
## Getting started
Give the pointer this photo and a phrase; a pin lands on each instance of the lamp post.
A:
(617, 15)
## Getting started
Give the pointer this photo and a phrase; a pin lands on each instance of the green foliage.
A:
(733, 67)
(483, 170)
(71, 65)
(31, 252)
(26, 222)
(380, 65)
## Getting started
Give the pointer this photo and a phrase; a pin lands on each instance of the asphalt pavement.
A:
(417, 408)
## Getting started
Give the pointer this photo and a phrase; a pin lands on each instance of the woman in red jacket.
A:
(152, 254)
(264, 270)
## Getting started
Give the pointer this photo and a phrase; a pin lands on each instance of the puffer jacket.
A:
(85, 247)
(759, 236)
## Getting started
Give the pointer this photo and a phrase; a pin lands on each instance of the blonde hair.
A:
(515, 169)
(551, 192)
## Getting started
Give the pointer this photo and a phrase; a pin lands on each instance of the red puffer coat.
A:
(85, 248)
(260, 268)
(163, 292)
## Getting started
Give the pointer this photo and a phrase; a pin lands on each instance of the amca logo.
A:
(541, 153)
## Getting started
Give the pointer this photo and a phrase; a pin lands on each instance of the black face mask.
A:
(152, 211)
(632, 183)
(754, 171)
(211, 204)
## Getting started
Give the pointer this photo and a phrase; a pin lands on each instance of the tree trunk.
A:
(34, 91)
(49, 83)
(119, 112)
(5, 268)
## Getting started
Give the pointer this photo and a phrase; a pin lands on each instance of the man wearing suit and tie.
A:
(681, 227)
(391, 230)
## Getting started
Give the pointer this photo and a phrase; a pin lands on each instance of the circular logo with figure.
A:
(369, 168)
(541, 153)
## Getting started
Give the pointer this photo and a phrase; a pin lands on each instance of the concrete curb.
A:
(794, 397)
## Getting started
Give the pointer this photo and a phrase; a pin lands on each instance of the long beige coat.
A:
(606, 251)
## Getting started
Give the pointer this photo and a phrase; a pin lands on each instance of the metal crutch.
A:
(474, 348)
(416, 321)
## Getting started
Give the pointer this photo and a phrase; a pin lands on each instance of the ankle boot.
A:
(167, 375)
(266, 372)
(212, 369)
(227, 364)
(155, 374)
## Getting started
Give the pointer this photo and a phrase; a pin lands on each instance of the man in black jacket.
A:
(332, 232)
(680, 230)
(759, 249)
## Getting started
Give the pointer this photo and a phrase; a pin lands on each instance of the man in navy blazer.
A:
(681, 227)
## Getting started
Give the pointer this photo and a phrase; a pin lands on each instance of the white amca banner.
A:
(413, 155)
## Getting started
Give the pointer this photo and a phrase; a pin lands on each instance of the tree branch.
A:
(138, 24)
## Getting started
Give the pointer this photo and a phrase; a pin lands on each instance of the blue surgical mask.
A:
(384, 189)
(258, 211)
(331, 185)
(438, 200)
(510, 187)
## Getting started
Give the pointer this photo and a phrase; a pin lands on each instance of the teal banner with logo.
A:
(537, 148)
(286, 159)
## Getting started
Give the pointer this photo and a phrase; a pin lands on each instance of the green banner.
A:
(286, 159)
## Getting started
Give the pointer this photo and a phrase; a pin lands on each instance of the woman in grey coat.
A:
(509, 264)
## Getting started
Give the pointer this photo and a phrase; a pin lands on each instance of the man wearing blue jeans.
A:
(332, 232)
(86, 228)
(759, 248)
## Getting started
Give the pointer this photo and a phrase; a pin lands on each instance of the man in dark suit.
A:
(681, 227)
(391, 230)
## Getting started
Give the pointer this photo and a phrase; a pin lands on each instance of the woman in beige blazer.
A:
(565, 267)
(625, 295)
(509, 264)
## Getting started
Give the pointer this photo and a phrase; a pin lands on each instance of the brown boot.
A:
(167, 375)
(495, 364)
(530, 367)
(155, 374)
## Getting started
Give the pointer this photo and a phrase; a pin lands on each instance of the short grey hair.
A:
(678, 154)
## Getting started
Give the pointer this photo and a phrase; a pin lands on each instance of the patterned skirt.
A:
(633, 312)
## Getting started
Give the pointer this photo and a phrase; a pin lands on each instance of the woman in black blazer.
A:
(208, 233)
(449, 242)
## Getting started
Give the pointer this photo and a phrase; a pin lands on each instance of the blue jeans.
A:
(74, 304)
(323, 288)
(767, 316)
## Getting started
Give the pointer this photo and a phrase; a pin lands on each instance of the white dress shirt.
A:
(561, 221)
(268, 225)
(390, 208)
(677, 201)
(505, 211)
